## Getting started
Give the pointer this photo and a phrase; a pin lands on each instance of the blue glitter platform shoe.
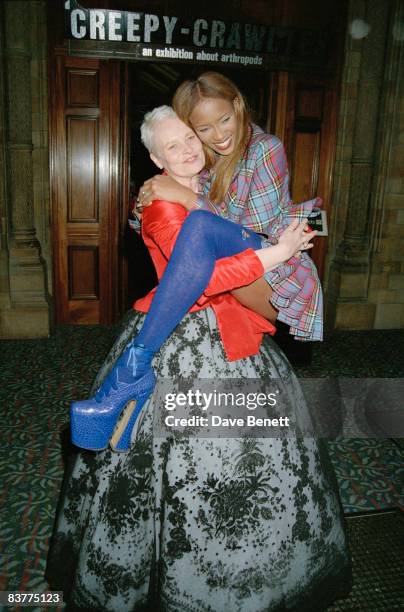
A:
(122, 394)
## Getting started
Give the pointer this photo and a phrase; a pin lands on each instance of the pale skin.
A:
(179, 151)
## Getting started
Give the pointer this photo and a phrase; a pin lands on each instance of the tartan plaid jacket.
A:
(259, 199)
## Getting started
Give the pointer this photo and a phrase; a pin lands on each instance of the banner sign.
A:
(133, 35)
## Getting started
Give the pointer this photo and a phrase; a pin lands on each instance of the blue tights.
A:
(203, 239)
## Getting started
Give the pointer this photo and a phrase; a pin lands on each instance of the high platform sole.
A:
(121, 438)
(93, 430)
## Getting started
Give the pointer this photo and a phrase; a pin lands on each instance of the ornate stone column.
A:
(28, 315)
(19, 132)
(349, 271)
(4, 265)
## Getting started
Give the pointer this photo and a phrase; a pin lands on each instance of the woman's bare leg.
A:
(256, 297)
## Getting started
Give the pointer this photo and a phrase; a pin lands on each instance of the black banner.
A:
(133, 35)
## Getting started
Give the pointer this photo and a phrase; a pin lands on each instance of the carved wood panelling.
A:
(82, 88)
(83, 273)
(82, 169)
(305, 164)
(85, 115)
(306, 120)
(306, 141)
(309, 103)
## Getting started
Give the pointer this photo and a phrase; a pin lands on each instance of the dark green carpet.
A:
(41, 377)
(377, 548)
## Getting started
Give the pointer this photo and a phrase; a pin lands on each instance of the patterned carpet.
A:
(40, 379)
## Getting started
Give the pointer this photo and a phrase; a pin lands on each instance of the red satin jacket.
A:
(240, 328)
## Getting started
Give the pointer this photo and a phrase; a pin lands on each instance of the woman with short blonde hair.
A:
(190, 519)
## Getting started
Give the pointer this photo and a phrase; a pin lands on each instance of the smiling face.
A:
(177, 149)
(215, 122)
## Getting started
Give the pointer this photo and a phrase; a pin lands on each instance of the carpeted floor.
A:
(41, 377)
(377, 545)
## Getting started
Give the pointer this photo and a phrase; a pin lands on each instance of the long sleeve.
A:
(258, 198)
(240, 328)
(162, 222)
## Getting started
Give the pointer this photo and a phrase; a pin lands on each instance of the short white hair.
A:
(150, 122)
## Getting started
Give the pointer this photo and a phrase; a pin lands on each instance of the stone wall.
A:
(364, 282)
(365, 263)
(40, 135)
(386, 287)
(24, 299)
(4, 280)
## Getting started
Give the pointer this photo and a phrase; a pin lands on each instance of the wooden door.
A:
(304, 117)
(84, 152)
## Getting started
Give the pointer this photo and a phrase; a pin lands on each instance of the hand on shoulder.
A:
(164, 187)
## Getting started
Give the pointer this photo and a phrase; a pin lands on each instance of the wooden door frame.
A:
(110, 172)
(280, 118)
(125, 171)
(117, 172)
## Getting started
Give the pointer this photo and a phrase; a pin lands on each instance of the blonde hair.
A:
(215, 85)
(150, 123)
